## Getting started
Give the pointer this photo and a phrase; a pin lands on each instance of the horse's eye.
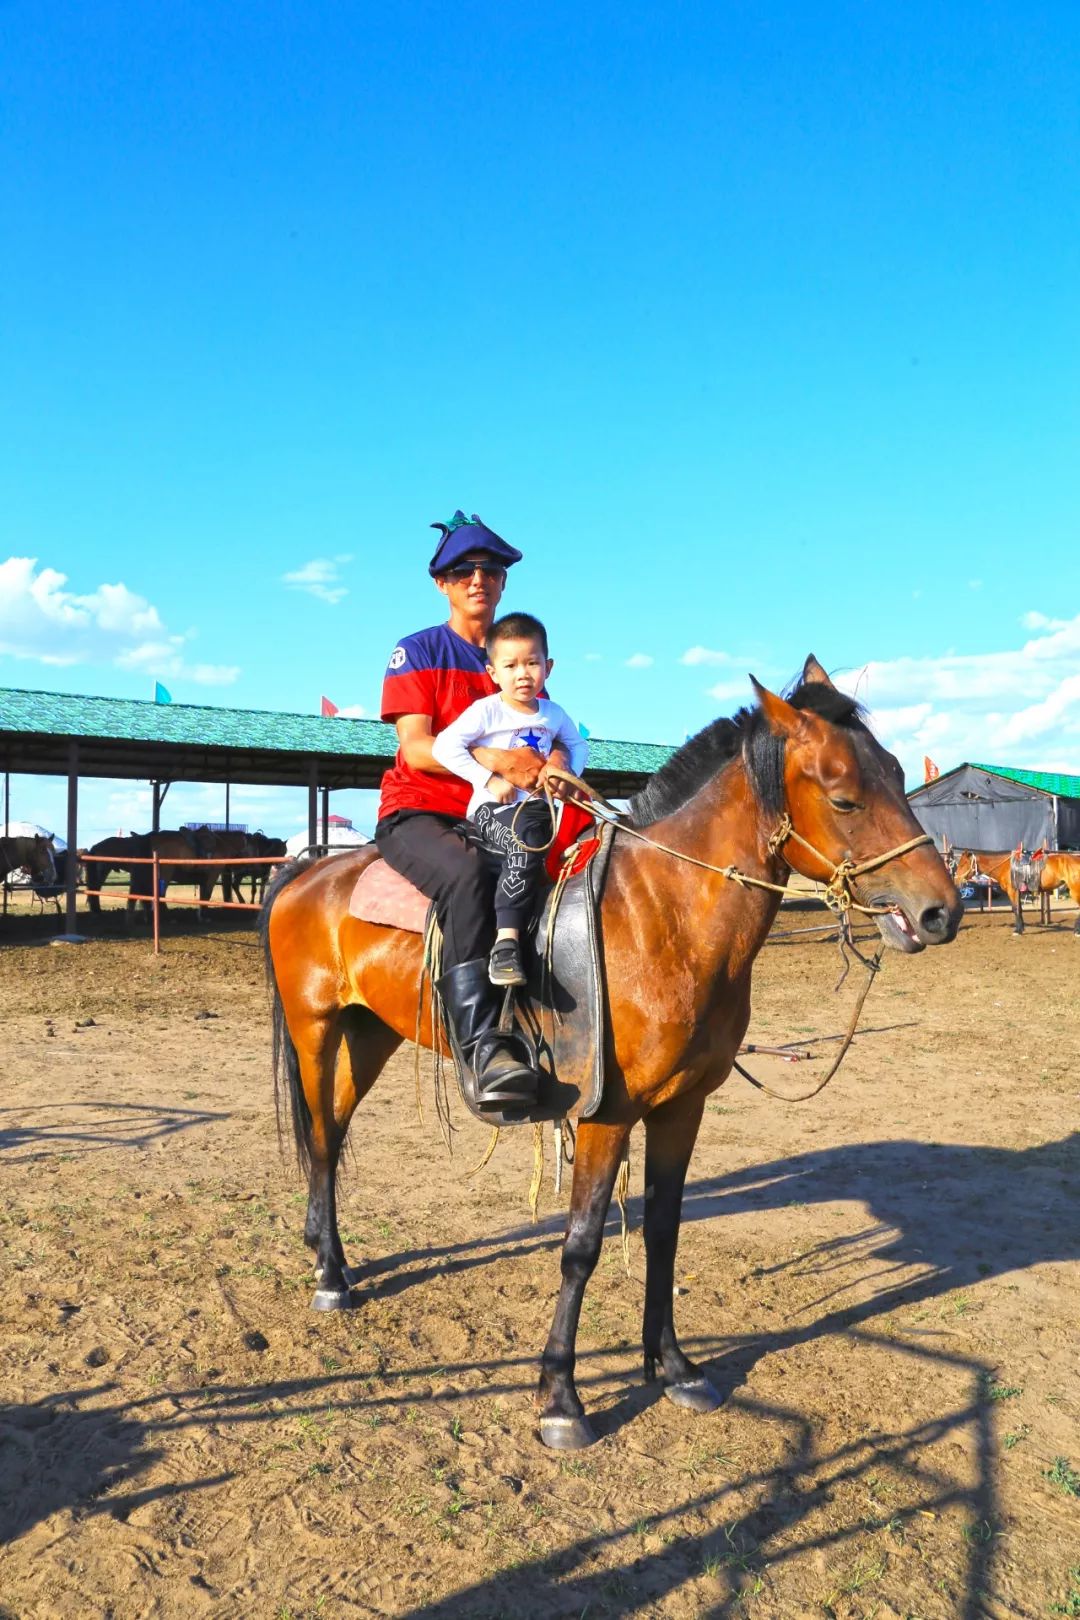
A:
(845, 806)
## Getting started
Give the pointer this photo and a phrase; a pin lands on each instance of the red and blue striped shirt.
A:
(437, 673)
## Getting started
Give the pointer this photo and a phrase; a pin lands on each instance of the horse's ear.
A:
(814, 673)
(784, 720)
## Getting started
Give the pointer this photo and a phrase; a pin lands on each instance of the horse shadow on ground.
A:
(100, 1125)
(943, 1216)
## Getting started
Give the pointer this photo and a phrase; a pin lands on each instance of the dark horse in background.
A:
(34, 854)
(799, 784)
(175, 848)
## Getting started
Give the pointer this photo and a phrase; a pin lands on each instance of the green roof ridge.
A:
(1056, 782)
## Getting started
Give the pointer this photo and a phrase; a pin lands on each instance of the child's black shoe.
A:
(504, 963)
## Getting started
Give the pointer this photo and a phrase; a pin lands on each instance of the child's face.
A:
(519, 668)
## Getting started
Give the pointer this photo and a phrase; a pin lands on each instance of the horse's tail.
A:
(284, 1061)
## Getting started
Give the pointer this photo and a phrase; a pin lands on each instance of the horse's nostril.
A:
(934, 920)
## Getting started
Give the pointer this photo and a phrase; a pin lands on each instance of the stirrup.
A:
(519, 1082)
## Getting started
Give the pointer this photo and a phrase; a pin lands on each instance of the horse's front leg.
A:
(563, 1424)
(1018, 905)
(670, 1134)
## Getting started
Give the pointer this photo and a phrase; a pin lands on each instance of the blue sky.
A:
(755, 328)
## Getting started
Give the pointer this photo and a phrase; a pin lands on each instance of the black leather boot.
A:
(501, 1062)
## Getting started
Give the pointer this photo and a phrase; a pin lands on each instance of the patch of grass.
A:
(1014, 1436)
(991, 1390)
(1071, 1605)
(1064, 1476)
(979, 1532)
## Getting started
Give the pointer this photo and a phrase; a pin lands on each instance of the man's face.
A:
(474, 586)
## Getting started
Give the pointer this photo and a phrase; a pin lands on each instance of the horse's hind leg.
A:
(346, 1056)
(670, 1134)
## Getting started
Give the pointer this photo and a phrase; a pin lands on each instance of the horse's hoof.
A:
(333, 1299)
(567, 1433)
(695, 1395)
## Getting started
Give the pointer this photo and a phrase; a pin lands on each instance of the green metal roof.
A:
(1056, 782)
(70, 715)
(199, 742)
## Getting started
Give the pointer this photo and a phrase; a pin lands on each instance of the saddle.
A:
(1025, 870)
(561, 1008)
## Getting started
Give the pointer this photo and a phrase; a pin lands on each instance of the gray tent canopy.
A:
(997, 807)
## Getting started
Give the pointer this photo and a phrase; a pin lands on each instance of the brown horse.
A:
(32, 854)
(996, 864)
(261, 844)
(174, 847)
(679, 944)
(117, 854)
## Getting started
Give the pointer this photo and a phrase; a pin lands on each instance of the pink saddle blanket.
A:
(381, 895)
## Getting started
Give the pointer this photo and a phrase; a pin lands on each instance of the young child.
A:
(514, 717)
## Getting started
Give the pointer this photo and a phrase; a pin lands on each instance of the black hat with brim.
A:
(463, 537)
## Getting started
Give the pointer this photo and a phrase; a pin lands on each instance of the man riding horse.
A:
(432, 677)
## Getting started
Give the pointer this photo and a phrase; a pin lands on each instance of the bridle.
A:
(837, 892)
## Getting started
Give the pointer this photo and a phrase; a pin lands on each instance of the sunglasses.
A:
(466, 570)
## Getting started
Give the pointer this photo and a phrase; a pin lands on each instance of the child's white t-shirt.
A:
(491, 722)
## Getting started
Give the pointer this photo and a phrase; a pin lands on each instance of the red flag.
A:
(930, 770)
(328, 709)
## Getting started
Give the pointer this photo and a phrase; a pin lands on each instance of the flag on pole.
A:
(328, 709)
(161, 693)
(930, 770)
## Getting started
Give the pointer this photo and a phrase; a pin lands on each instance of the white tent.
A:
(337, 837)
(30, 829)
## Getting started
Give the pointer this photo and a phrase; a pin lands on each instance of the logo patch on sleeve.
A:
(397, 658)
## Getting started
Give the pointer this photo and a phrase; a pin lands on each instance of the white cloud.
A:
(353, 711)
(1003, 707)
(705, 655)
(640, 661)
(593, 658)
(41, 620)
(320, 578)
(725, 691)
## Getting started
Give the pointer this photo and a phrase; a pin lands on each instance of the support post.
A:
(70, 936)
(227, 787)
(7, 822)
(326, 818)
(155, 823)
(156, 903)
(313, 804)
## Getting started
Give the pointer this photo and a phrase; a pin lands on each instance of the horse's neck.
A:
(722, 826)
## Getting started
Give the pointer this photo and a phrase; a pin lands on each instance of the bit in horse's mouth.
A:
(896, 928)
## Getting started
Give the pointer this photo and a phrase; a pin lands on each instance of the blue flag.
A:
(161, 693)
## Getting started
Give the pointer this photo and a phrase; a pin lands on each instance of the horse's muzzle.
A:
(905, 929)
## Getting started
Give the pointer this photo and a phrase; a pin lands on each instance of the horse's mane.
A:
(746, 733)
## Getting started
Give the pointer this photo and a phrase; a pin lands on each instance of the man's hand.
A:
(502, 791)
(561, 762)
(521, 766)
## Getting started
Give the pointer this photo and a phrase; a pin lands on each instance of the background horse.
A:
(113, 855)
(260, 844)
(31, 854)
(996, 864)
(798, 784)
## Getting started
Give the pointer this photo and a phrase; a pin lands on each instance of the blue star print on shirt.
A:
(530, 739)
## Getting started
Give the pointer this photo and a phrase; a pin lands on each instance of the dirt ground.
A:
(884, 1281)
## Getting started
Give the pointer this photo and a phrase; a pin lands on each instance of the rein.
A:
(837, 894)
